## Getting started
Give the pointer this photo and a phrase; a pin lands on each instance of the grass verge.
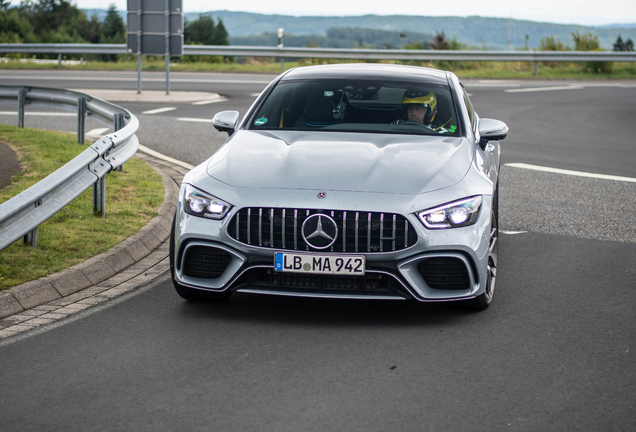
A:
(74, 234)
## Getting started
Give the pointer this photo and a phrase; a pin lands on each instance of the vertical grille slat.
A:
(344, 231)
(357, 230)
(284, 227)
(271, 228)
(281, 228)
(368, 232)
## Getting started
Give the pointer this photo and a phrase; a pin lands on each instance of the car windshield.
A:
(350, 105)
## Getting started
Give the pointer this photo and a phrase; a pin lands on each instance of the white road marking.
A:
(158, 155)
(52, 114)
(196, 120)
(512, 232)
(159, 110)
(539, 89)
(572, 173)
(209, 101)
(97, 132)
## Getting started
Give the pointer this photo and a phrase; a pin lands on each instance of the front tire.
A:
(482, 301)
(192, 294)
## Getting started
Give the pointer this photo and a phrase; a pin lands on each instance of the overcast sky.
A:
(587, 12)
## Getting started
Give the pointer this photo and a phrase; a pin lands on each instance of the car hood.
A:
(373, 163)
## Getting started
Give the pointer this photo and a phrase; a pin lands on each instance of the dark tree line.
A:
(59, 21)
(619, 45)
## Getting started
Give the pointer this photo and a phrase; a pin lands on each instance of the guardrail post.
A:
(536, 68)
(118, 123)
(99, 197)
(31, 238)
(81, 119)
(21, 103)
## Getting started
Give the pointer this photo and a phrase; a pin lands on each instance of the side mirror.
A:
(226, 121)
(491, 130)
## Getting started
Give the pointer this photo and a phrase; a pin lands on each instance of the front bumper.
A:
(443, 265)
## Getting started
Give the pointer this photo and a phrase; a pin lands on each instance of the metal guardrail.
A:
(337, 53)
(21, 215)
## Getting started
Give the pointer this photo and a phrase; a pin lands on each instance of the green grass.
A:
(74, 234)
(464, 69)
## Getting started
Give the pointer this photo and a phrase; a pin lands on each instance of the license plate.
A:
(351, 265)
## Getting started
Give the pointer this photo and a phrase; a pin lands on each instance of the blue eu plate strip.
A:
(278, 261)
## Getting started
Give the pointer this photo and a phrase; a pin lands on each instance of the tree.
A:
(15, 28)
(4, 4)
(590, 42)
(440, 42)
(552, 43)
(619, 45)
(114, 30)
(56, 21)
(205, 31)
(93, 29)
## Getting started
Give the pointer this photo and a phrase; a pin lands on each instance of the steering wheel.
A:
(411, 122)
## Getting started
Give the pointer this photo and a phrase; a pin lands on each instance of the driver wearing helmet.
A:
(421, 107)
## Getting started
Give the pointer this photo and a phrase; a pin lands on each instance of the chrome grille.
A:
(280, 228)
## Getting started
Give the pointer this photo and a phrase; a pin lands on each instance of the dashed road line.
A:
(572, 173)
(159, 110)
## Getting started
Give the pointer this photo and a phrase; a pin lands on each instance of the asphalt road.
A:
(555, 351)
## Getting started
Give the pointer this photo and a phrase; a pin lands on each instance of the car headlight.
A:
(199, 203)
(452, 215)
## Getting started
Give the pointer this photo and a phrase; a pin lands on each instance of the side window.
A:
(469, 106)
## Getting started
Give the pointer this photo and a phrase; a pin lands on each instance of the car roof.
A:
(368, 71)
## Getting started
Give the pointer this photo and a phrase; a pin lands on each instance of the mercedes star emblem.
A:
(319, 231)
(322, 195)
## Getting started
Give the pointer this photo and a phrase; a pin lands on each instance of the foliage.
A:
(58, 21)
(619, 45)
(15, 28)
(205, 31)
(114, 29)
(552, 43)
(590, 42)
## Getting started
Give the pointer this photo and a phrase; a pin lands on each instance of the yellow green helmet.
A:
(419, 97)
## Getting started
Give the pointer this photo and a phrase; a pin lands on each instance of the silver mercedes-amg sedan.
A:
(352, 181)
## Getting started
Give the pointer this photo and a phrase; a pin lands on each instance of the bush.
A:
(590, 42)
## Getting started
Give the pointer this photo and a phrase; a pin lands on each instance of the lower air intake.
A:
(445, 273)
(205, 262)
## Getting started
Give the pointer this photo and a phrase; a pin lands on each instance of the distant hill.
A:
(347, 37)
(477, 32)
